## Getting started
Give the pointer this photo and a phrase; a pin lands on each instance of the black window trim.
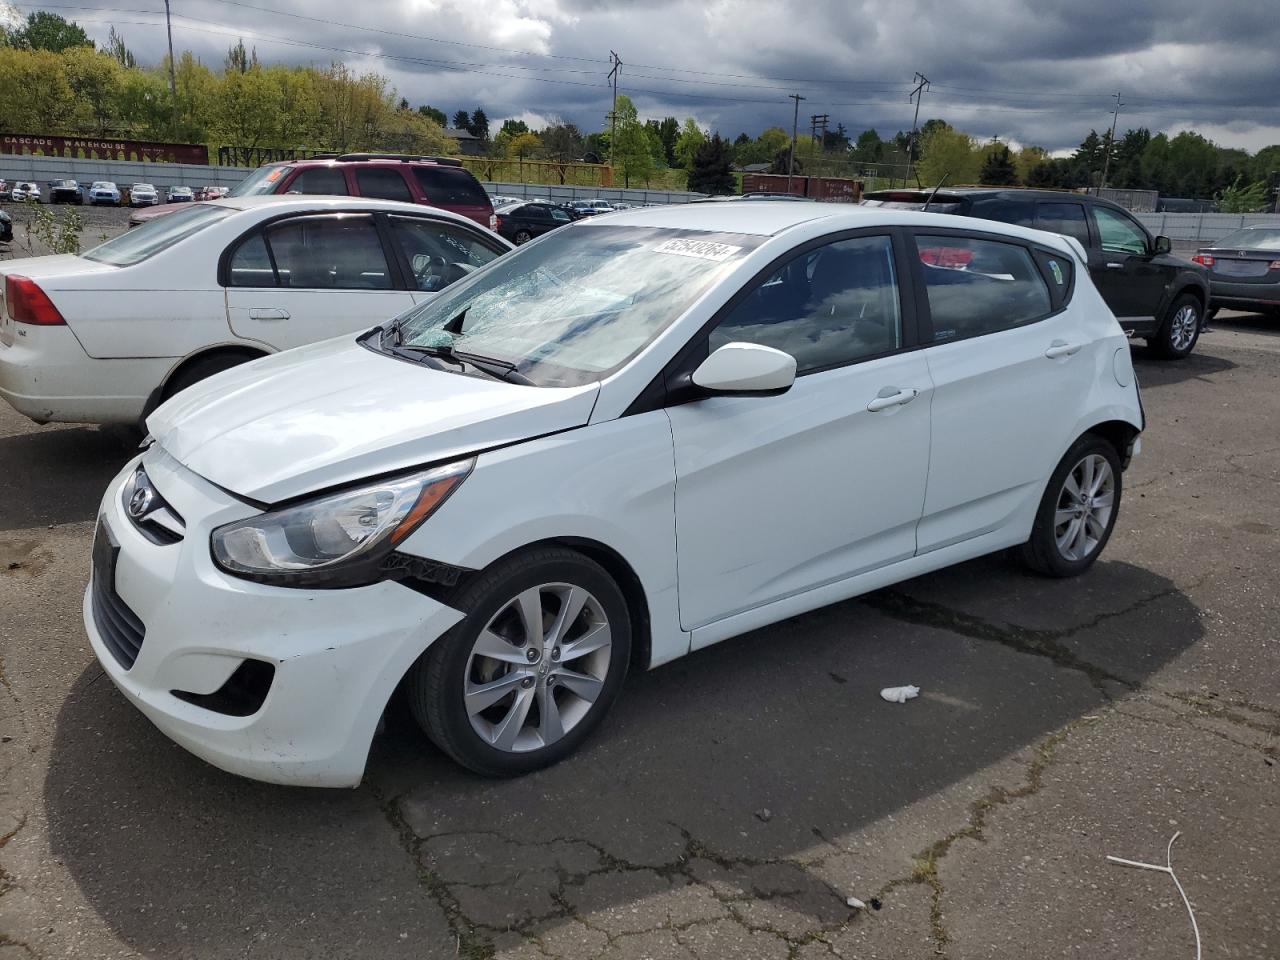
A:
(925, 315)
(674, 385)
(224, 259)
(403, 266)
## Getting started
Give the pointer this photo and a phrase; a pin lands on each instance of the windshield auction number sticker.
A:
(702, 249)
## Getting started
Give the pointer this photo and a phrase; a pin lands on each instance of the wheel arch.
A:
(160, 393)
(1119, 433)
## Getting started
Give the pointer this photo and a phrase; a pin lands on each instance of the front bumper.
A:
(337, 654)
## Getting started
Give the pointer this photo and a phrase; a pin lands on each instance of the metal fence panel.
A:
(122, 172)
(1203, 228)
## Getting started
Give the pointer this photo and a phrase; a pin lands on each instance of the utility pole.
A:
(1111, 145)
(616, 61)
(818, 122)
(173, 81)
(795, 126)
(922, 84)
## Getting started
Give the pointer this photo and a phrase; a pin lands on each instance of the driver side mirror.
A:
(1163, 245)
(752, 369)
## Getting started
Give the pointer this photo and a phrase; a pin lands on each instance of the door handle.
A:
(891, 397)
(1060, 348)
(268, 313)
(1114, 266)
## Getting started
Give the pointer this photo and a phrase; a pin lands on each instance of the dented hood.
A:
(336, 412)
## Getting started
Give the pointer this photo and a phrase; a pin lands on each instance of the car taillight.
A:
(1275, 265)
(29, 304)
(1204, 259)
(495, 221)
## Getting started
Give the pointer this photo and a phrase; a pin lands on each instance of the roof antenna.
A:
(935, 192)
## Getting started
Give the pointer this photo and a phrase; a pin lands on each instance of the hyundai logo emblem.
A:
(140, 502)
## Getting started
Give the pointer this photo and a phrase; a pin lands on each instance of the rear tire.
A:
(545, 698)
(1077, 512)
(523, 236)
(1180, 330)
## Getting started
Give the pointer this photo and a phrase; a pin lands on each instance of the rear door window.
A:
(382, 184)
(1021, 212)
(451, 187)
(250, 265)
(329, 181)
(337, 253)
(976, 286)
(1065, 218)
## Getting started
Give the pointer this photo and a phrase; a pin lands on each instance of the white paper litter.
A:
(856, 903)
(900, 694)
(1169, 870)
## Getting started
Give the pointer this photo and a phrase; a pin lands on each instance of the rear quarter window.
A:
(976, 286)
(451, 187)
(1058, 270)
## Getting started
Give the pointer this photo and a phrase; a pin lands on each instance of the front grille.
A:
(121, 630)
(150, 514)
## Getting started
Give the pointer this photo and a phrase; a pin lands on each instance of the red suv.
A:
(435, 181)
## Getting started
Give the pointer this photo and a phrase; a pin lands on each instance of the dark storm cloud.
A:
(1030, 72)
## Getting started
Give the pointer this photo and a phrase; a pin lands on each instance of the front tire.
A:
(523, 236)
(1180, 330)
(531, 670)
(1078, 510)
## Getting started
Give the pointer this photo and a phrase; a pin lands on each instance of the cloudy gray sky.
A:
(1022, 70)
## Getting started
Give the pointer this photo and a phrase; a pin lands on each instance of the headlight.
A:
(337, 540)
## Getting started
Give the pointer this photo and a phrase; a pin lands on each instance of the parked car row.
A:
(104, 192)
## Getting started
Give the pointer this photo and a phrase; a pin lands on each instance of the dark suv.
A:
(436, 181)
(1153, 294)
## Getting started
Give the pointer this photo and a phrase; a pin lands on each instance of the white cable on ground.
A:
(1169, 870)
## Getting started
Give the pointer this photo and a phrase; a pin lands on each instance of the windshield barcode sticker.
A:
(702, 249)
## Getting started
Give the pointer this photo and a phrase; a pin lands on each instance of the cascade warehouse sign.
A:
(93, 148)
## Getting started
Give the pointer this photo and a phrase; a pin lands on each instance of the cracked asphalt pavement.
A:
(737, 798)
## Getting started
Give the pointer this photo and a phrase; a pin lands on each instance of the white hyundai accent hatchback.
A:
(632, 438)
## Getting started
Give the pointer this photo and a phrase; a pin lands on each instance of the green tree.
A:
(240, 60)
(95, 79)
(48, 31)
(999, 168)
(46, 101)
(479, 125)
(631, 150)
(1027, 159)
(248, 105)
(1244, 199)
(433, 114)
(710, 170)
(668, 133)
(1041, 175)
(523, 145)
(461, 120)
(947, 152)
(687, 144)
(868, 148)
(512, 127)
(121, 53)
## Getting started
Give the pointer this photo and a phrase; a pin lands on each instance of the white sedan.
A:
(105, 336)
(634, 437)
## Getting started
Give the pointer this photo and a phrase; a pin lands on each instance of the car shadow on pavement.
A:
(56, 475)
(745, 758)
(1155, 372)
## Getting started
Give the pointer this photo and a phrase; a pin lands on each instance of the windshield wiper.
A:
(499, 369)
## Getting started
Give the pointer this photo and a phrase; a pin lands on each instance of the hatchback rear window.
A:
(150, 238)
(451, 187)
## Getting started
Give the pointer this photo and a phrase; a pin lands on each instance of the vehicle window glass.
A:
(261, 181)
(558, 214)
(451, 187)
(383, 184)
(1064, 218)
(250, 265)
(438, 253)
(148, 239)
(979, 286)
(835, 304)
(579, 303)
(1118, 233)
(1058, 270)
(339, 253)
(329, 181)
(1251, 240)
(1021, 212)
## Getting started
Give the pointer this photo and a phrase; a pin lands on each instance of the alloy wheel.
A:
(1084, 508)
(1183, 327)
(537, 667)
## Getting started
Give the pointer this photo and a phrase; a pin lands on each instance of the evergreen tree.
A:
(431, 113)
(999, 170)
(1041, 175)
(710, 171)
(121, 53)
(479, 126)
(462, 121)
